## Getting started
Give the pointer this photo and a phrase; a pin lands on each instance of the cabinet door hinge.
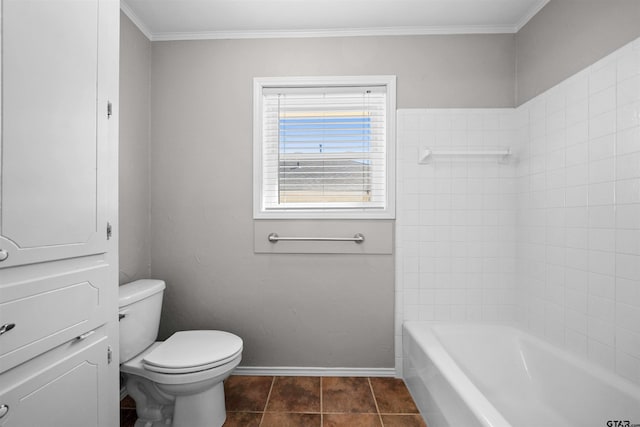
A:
(109, 354)
(109, 109)
(108, 230)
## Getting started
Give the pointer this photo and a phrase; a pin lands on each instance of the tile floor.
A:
(261, 401)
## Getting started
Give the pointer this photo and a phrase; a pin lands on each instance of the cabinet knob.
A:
(3, 255)
(3, 410)
(6, 328)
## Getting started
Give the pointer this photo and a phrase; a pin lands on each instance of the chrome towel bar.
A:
(357, 238)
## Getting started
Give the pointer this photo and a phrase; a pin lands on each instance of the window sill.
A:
(320, 214)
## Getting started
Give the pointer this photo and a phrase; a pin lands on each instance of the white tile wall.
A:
(456, 235)
(550, 239)
(579, 213)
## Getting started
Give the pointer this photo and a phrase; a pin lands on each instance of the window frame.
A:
(261, 83)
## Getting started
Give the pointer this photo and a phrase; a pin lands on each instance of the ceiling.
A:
(224, 19)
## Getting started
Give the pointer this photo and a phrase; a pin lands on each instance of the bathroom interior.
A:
(500, 287)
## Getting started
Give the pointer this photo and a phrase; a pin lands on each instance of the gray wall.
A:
(569, 35)
(300, 310)
(135, 61)
(291, 309)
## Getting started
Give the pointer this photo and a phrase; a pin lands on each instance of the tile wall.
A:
(551, 238)
(456, 218)
(579, 213)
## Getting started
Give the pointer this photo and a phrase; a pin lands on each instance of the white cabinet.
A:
(58, 212)
(54, 115)
(49, 304)
(60, 388)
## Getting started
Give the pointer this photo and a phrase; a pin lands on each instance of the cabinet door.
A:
(60, 391)
(58, 190)
(53, 176)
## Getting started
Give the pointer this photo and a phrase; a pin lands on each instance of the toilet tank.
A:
(140, 303)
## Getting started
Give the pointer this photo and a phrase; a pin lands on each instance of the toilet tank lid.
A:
(138, 290)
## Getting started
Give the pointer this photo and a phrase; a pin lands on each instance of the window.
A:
(324, 147)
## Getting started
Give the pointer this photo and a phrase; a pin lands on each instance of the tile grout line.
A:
(321, 405)
(375, 401)
(264, 410)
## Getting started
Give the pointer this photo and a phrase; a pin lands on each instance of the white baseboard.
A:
(288, 371)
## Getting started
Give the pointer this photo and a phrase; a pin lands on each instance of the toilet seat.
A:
(136, 367)
(193, 351)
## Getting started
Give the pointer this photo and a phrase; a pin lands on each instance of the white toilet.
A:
(177, 382)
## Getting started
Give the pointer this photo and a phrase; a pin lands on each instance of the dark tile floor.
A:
(260, 401)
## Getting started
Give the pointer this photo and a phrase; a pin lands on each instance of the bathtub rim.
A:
(436, 351)
(484, 411)
(577, 360)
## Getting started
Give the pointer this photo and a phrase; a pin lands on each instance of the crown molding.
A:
(126, 9)
(329, 32)
(530, 14)
(334, 32)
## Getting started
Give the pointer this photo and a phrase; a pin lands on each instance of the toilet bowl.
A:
(178, 382)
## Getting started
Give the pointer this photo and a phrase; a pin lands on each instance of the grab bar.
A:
(357, 238)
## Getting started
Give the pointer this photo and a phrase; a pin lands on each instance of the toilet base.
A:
(155, 408)
(205, 409)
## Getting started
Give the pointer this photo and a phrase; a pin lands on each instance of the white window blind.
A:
(324, 148)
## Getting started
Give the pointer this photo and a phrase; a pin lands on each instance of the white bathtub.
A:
(466, 375)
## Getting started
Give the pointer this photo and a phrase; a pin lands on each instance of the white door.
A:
(58, 189)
